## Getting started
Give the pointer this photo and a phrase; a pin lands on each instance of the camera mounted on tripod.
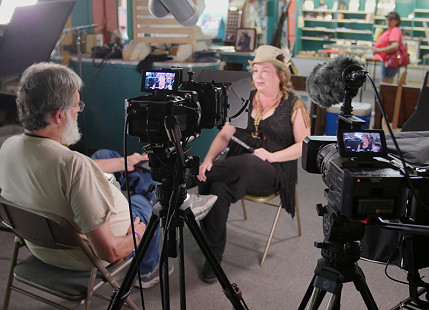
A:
(362, 182)
(171, 113)
(185, 101)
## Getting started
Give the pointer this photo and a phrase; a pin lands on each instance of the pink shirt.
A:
(390, 35)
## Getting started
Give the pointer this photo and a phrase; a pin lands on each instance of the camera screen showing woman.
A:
(366, 144)
(162, 82)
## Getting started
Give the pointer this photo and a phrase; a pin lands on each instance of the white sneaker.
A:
(152, 278)
(200, 204)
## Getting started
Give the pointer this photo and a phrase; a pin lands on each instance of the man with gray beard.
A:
(38, 171)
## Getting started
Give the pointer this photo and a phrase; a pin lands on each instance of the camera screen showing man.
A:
(160, 80)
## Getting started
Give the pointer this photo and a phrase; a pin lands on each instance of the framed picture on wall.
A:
(245, 40)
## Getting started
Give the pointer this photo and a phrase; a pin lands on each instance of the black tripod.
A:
(339, 263)
(330, 275)
(171, 214)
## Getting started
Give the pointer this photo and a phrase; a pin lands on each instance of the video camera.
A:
(362, 182)
(173, 112)
(195, 105)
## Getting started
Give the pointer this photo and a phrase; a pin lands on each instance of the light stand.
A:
(172, 215)
(78, 30)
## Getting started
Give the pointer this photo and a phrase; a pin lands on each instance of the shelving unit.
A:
(354, 30)
(322, 27)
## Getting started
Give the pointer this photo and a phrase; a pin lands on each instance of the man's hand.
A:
(139, 228)
(205, 166)
(134, 159)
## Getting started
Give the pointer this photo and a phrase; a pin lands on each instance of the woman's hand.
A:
(263, 154)
(205, 166)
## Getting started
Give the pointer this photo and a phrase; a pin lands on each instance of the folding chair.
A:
(266, 200)
(54, 232)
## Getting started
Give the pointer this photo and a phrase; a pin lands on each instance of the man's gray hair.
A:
(45, 88)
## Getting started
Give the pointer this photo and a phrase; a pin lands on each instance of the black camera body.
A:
(361, 182)
(196, 105)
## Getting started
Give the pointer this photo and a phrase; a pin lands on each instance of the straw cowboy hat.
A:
(268, 53)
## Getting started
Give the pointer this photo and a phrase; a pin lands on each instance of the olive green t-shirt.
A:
(42, 174)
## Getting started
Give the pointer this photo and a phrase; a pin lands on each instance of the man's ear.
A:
(58, 117)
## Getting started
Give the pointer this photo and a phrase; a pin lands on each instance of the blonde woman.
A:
(277, 125)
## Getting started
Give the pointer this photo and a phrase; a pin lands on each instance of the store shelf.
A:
(360, 26)
(342, 30)
(342, 21)
(336, 11)
(316, 39)
(418, 19)
(403, 19)
(309, 19)
(318, 11)
(318, 29)
(353, 21)
(421, 11)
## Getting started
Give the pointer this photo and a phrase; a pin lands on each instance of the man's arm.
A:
(109, 247)
(111, 165)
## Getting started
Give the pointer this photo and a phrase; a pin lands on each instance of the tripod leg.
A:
(120, 295)
(181, 261)
(309, 294)
(334, 301)
(363, 289)
(165, 284)
(231, 292)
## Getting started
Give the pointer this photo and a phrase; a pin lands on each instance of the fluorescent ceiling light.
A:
(7, 8)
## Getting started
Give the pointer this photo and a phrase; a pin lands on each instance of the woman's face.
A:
(365, 139)
(391, 22)
(265, 76)
(162, 80)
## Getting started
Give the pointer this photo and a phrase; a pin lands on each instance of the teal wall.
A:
(273, 18)
(82, 13)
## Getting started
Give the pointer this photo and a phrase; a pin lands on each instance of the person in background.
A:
(388, 42)
(277, 124)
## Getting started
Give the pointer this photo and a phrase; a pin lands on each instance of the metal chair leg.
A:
(244, 209)
(270, 238)
(298, 218)
(90, 291)
(16, 245)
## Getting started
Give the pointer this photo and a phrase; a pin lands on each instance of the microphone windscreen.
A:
(157, 8)
(186, 12)
(325, 85)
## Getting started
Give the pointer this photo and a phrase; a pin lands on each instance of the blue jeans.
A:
(388, 72)
(142, 203)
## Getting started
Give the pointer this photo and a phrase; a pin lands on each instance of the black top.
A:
(276, 133)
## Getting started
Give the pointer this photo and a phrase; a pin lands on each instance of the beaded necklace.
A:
(259, 115)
